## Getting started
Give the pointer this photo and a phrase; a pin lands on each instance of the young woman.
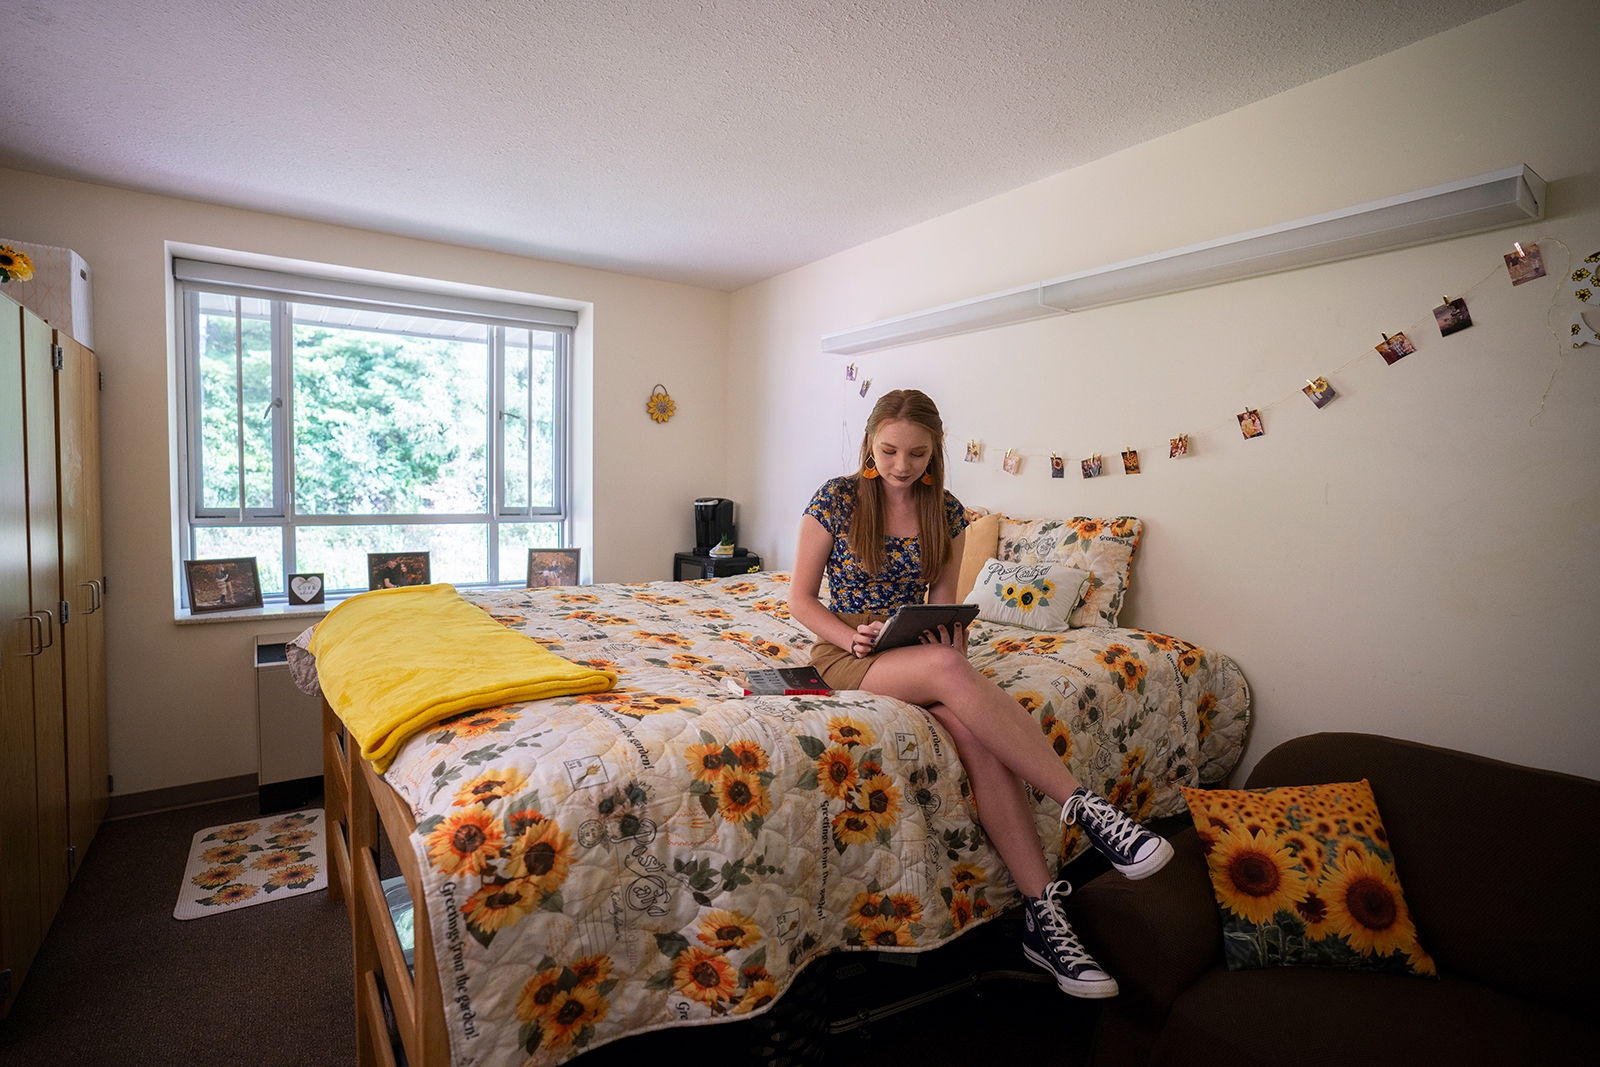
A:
(892, 535)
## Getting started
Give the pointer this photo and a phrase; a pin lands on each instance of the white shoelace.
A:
(1111, 824)
(1053, 922)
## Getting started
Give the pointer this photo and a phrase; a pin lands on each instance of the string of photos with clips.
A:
(1523, 264)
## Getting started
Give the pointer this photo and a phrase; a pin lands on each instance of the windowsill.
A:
(184, 617)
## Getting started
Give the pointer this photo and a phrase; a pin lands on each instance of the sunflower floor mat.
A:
(253, 862)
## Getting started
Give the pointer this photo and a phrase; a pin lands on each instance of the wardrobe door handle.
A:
(94, 599)
(49, 629)
(99, 593)
(37, 635)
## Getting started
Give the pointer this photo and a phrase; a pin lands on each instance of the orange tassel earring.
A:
(927, 479)
(871, 469)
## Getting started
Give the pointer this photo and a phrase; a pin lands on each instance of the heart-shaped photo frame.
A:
(306, 588)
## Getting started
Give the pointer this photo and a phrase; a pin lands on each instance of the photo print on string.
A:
(1250, 424)
(865, 385)
(850, 372)
(1524, 264)
(1395, 348)
(1130, 461)
(1452, 316)
(1058, 466)
(974, 451)
(1180, 446)
(1319, 391)
(1011, 462)
(1092, 466)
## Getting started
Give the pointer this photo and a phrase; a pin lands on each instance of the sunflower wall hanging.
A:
(14, 264)
(660, 406)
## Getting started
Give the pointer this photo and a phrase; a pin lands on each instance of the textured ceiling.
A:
(710, 143)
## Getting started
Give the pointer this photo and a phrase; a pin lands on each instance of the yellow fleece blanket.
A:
(395, 661)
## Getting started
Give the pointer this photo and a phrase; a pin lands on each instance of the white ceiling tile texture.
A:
(710, 143)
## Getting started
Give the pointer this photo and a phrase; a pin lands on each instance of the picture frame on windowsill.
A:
(553, 566)
(222, 584)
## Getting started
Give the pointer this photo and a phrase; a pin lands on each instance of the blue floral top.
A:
(853, 590)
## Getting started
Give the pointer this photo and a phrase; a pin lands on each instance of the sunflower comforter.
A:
(668, 854)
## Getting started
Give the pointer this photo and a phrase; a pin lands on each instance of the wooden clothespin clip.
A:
(1518, 246)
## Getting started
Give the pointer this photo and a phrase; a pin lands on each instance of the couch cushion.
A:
(1497, 860)
(1304, 876)
(1311, 1016)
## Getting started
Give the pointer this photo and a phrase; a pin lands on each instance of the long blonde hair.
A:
(933, 528)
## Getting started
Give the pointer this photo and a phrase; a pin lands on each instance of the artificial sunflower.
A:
(836, 772)
(750, 756)
(660, 406)
(853, 828)
(465, 843)
(570, 1012)
(756, 996)
(880, 797)
(534, 1002)
(542, 854)
(1365, 905)
(499, 904)
(741, 795)
(14, 265)
(728, 929)
(886, 933)
(704, 975)
(843, 730)
(217, 877)
(226, 853)
(1254, 876)
(294, 876)
(492, 784)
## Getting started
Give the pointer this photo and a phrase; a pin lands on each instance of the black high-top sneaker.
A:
(1132, 850)
(1048, 940)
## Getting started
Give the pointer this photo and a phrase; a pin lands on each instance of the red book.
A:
(782, 682)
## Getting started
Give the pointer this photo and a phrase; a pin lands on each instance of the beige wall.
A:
(182, 705)
(1416, 559)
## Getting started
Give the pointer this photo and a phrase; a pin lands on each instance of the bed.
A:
(669, 854)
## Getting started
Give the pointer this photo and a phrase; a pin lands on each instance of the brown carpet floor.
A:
(119, 982)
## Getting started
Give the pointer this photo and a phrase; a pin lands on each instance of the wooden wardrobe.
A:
(54, 764)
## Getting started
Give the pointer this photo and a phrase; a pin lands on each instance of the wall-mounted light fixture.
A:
(1490, 201)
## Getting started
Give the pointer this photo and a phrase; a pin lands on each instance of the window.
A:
(326, 420)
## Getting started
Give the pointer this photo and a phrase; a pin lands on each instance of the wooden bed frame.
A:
(355, 798)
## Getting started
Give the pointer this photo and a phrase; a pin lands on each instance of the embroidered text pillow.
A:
(1305, 877)
(1038, 596)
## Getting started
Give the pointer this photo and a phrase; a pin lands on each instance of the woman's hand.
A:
(945, 637)
(866, 637)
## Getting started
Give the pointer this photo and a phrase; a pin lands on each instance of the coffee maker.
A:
(713, 520)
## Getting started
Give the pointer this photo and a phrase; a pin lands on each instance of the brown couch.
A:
(1501, 869)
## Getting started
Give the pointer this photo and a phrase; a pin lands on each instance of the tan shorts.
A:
(838, 667)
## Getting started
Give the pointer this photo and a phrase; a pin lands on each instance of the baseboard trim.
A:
(127, 805)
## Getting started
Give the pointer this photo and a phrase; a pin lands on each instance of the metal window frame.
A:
(284, 514)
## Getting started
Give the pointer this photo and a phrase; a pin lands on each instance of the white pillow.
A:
(1040, 596)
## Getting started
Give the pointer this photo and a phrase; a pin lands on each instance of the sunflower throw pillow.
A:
(1101, 548)
(1038, 596)
(1305, 877)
